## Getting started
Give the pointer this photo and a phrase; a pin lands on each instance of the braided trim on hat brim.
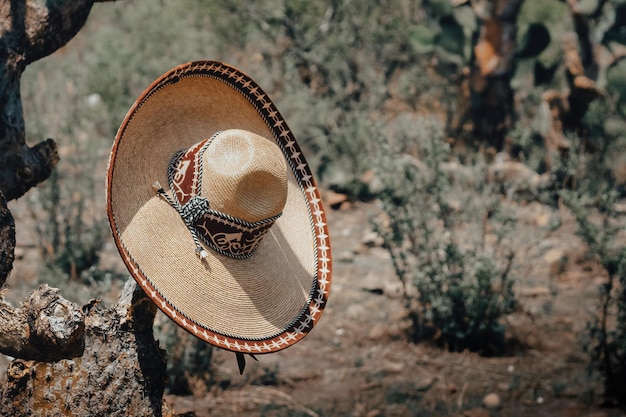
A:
(321, 282)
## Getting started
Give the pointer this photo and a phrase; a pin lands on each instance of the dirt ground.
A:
(358, 362)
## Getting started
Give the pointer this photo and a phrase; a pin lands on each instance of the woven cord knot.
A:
(188, 217)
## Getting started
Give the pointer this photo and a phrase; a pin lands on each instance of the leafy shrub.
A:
(70, 234)
(333, 66)
(456, 291)
(606, 338)
(594, 168)
(79, 97)
(190, 364)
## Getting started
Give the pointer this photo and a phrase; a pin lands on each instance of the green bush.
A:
(605, 340)
(79, 97)
(190, 364)
(456, 291)
(71, 236)
(333, 65)
(594, 191)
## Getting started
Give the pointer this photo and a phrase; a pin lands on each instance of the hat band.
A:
(225, 234)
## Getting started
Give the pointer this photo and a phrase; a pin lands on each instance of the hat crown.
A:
(244, 175)
(229, 190)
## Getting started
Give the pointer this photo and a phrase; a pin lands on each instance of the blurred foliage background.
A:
(526, 96)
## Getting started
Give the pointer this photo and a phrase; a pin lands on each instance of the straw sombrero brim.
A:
(257, 305)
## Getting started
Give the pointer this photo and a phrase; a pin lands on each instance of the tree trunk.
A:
(567, 108)
(7, 240)
(121, 373)
(70, 360)
(494, 52)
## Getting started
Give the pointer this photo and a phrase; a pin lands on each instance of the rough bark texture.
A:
(118, 368)
(47, 327)
(29, 31)
(567, 108)
(7, 241)
(493, 69)
(121, 372)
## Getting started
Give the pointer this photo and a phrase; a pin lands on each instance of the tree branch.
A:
(29, 31)
(49, 27)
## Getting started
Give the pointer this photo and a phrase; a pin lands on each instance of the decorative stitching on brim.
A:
(321, 282)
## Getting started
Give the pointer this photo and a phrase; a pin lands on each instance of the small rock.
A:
(258, 57)
(372, 239)
(93, 100)
(503, 386)
(535, 291)
(19, 253)
(361, 249)
(345, 256)
(542, 219)
(476, 412)
(620, 207)
(390, 367)
(491, 400)
(556, 258)
(377, 332)
(335, 200)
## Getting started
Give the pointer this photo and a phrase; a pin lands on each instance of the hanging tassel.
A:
(241, 361)
(201, 252)
(156, 186)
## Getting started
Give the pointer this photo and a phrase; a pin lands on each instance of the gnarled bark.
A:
(46, 328)
(7, 241)
(29, 31)
(121, 373)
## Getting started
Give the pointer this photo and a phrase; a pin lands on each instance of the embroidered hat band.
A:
(226, 234)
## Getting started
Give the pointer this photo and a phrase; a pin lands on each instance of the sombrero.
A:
(216, 213)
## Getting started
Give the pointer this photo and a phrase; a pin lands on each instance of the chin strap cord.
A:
(241, 361)
(199, 249)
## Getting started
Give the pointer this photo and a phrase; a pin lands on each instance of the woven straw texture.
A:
(244, 177)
